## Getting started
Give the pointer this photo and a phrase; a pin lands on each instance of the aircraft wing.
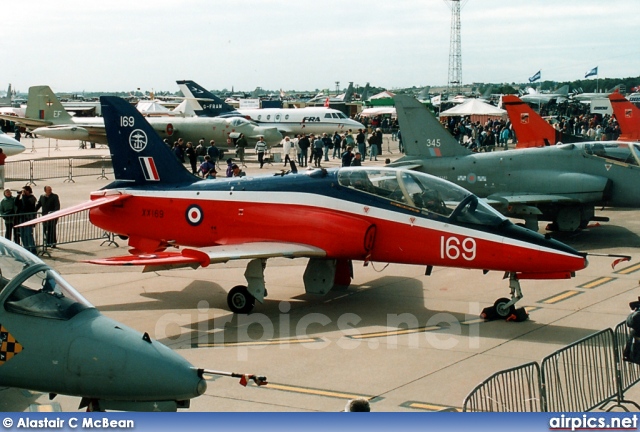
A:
(75, 209)
(31, 123)
(408, 165)
(529, 199)
(215, 254)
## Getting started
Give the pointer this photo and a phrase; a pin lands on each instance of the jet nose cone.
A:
(11, 147)
(536, 253)
(128, 366)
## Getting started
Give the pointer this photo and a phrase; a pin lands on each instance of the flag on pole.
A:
(592, 72)
(536, 76)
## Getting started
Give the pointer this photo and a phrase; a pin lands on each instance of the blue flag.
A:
(592, 72)
(536, 76)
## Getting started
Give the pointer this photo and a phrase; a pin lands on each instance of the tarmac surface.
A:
(318, 352)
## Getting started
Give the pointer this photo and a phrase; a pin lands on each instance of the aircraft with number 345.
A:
(175, 219)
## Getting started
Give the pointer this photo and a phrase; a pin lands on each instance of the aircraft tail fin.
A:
(348, 94)
(137, 152)
(43, 104)
(487, 93)
(205, 103)
(531, 129)
(365, 93)
(6, 100)
(628, 117)
(422, 134)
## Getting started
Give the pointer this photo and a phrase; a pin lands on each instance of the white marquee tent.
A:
(477, 109)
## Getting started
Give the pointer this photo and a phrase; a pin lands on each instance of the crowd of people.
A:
(24, 207)
(316, 149)
(497, 133)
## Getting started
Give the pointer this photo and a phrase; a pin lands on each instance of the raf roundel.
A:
(194, 215)
(138, 140)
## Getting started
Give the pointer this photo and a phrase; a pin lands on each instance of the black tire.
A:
(501, 311)
(240, 300)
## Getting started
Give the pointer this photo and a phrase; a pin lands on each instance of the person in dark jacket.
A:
(49, 202)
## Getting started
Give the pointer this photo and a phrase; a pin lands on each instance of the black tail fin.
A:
(205, 103)
(422, 134)
(137, 152)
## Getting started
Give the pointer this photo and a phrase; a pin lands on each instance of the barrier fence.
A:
(581, 376)
(511, 390)
(64, 230)
(29, 171)
(587, 374)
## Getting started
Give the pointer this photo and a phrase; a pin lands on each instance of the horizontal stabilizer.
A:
(76, 209)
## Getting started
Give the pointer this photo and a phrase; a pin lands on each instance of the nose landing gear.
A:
(504, 308)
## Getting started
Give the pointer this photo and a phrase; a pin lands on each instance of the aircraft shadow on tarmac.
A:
(602, 237)
(361, 310)
(607, 235)
(17, 400)
(188, 298)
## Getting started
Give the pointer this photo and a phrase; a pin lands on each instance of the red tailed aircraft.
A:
(332, 217)
(628, 117)
(530, 128)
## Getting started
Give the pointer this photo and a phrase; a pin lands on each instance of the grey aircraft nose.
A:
(126, 365)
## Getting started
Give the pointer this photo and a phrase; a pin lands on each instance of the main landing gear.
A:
(504, 308)
(240, 300)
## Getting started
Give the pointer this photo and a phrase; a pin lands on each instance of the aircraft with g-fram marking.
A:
(174, 219)
(48, 118)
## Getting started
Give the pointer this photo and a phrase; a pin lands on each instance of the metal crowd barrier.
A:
(629, 373)
(72, 228)
(29, 171)
(582, 375)
(587, 374)
(511, 390)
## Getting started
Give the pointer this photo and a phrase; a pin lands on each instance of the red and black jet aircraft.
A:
(332, 217)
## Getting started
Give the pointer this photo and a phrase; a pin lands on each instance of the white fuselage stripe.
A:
(325, 202)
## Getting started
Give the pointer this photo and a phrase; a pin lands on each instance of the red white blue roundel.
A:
(194, 215)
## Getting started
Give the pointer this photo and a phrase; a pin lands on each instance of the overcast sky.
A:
(122, 45)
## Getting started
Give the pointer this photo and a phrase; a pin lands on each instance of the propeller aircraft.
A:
(175, 219)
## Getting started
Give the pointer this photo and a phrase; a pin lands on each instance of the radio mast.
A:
(454, 84)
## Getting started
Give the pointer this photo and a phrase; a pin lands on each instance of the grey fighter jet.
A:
(561, 184)
(53, 341)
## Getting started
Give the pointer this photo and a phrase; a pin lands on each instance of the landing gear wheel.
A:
(501, 310)
(240, 300)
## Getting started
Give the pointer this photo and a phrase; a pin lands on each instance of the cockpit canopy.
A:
(239, 121)
(28, 286)
(422, 193)
(628, 153)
